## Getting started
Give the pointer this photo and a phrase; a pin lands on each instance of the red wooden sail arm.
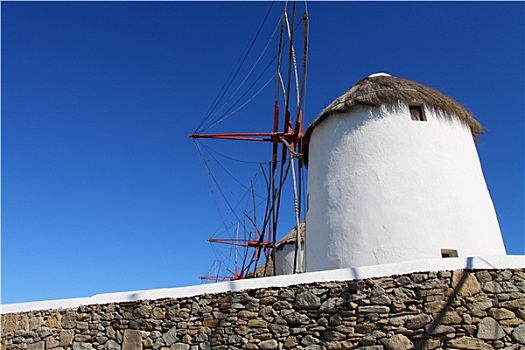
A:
(241, 242)
(290, 136)
(236, 276)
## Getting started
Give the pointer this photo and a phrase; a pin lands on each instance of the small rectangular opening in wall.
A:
(449, 253)
(307, 201)
(416, 113)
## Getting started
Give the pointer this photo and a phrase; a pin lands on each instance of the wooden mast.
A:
(290, 140)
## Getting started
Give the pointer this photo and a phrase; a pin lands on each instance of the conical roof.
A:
(291, 236)
(265, 269)
(383, 89)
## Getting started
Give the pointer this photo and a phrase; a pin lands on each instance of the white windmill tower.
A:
(394, 175)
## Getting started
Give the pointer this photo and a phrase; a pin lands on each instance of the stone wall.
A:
(482, 309)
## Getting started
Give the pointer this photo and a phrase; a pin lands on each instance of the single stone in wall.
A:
(502, 314)
(66, 337)
(483, 276)
(307, 301)
(82, 346)
(54, 320)
(492, 287)
(465, 283)
(450, 317)
(294, 317)
(256, 323)
(170, 336)
(269, 344)
(23, 323)
(159, 313)
(51, 342)
(430, 344)
(36, 346)
(417, 321)
(35, 322)
(489, 328)
(290, 342)
(373, 309)
(437, 329)
(268, 300)
(518, 334)
(468, 343)
(9, 323)
(333, 335)
(111, 345)
(69, 320)
(142, 312)
(397, 342)
(132, 340)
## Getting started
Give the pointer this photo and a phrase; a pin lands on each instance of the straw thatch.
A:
(265, 269)
(291, 236)
(386, 90)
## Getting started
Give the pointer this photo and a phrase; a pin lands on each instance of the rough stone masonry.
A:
(481, 309)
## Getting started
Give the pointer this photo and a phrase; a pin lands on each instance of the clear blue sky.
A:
(103, 191)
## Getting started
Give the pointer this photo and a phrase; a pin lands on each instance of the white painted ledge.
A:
(348, 274)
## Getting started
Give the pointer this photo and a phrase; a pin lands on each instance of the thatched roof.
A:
(291, 236)
(383, 89)
(265, 269)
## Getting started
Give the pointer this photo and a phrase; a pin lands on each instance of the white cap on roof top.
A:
(379, 75)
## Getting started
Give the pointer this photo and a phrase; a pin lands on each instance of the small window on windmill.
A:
(449, 253)
(307, 201)
(416, 113)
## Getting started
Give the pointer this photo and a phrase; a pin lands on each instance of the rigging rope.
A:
(218, 118)
(225, 116)
(209, 117)
(215, 183)
(208, 149)
(224, 168)
(250, 72)
(235, 70)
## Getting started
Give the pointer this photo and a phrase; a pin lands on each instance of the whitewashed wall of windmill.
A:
(383, 189)
(284, 258)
